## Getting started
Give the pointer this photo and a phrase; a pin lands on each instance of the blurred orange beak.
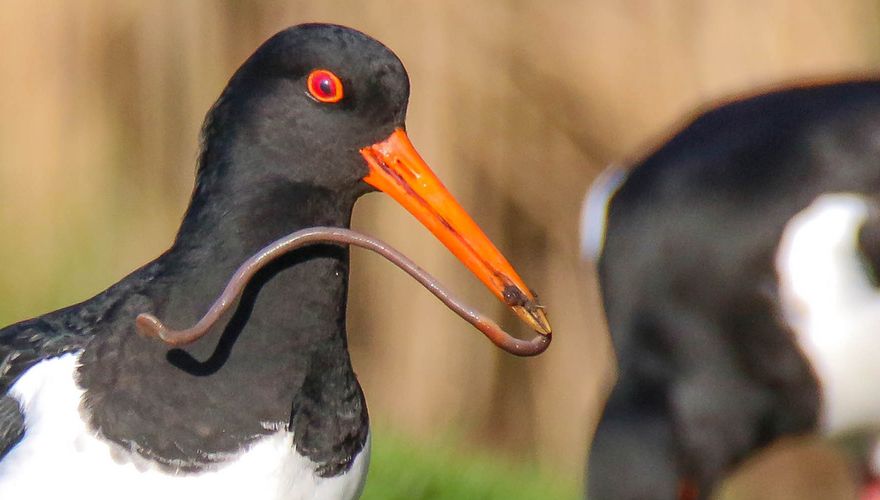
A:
(397, 170)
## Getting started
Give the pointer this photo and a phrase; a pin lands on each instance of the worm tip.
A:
(148, 326)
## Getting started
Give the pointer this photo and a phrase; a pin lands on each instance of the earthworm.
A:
(149, 325)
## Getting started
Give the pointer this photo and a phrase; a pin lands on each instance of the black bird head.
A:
(303, 105)
(322, 107)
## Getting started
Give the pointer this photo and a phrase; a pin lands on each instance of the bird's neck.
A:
(214, 240)
(279, 361)
(297, 302)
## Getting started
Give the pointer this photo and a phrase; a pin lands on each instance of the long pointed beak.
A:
(397, 169)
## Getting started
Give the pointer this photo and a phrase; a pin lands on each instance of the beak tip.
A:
(543, 322)
(535, 318)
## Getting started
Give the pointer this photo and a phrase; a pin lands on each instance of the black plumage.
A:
(273, 161)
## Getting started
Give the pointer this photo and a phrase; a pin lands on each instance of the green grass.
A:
(401, 469)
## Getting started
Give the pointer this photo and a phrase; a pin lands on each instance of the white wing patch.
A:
(60, 457)
(834, 310)
(594, 211)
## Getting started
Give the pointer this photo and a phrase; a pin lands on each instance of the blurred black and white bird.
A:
(740, 275)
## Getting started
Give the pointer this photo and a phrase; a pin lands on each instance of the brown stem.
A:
(149, 325)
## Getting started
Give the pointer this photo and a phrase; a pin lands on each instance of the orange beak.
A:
(397, 170)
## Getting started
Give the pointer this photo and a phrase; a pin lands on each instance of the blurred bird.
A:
(739, 266)
(267, 404)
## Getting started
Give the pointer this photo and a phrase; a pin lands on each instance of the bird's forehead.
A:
(343, 49)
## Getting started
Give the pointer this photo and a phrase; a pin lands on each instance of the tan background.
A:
(515, 104)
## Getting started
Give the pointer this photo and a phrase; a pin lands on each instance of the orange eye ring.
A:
(324, 86)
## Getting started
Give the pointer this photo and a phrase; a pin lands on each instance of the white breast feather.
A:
(60, 458)
(833, 308)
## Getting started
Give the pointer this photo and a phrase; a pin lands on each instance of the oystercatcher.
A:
(265, 404)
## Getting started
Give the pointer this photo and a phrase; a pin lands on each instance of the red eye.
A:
(324, 86)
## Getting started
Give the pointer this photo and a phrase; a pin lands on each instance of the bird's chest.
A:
(832, 307)
(61, 457)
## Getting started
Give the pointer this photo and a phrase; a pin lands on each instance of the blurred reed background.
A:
(516, 104)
